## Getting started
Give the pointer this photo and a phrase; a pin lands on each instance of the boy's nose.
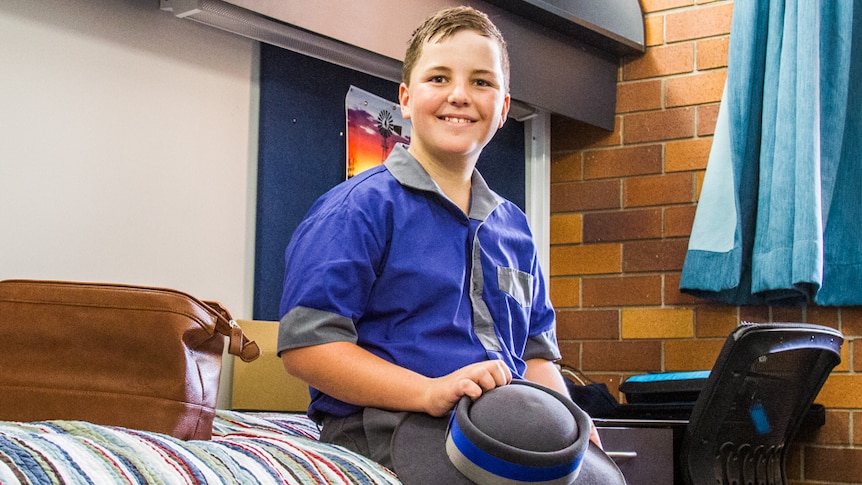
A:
(458, 93)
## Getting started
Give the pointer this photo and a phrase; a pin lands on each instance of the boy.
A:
(413, 284)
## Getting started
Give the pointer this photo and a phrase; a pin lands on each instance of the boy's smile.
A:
(456, 100)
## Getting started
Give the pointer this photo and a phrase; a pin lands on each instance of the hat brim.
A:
(419, 456)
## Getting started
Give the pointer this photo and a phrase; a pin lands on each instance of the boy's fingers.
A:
(480, 377)
(498, 372)
(487, 381)
(594, 436)
(471, 389)
(492, 374)
(505, 373)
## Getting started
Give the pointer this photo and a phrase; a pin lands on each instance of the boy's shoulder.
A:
(373, 180)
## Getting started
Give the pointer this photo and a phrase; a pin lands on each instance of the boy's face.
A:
(457, 98)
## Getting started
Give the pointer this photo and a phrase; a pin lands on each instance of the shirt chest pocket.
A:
(517, 284)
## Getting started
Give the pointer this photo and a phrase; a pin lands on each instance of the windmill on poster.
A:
(374, 127)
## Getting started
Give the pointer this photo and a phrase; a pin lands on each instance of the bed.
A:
(246, 448)
(262, 437)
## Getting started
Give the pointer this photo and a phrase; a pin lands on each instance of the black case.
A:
(664, 387)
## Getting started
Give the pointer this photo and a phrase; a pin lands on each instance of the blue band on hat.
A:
(506, 469)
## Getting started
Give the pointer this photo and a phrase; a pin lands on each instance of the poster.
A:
(374, 127)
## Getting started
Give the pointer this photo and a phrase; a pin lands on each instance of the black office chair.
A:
(759, 390)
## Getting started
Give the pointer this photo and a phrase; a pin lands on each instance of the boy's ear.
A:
(404, 100)
(505, 111)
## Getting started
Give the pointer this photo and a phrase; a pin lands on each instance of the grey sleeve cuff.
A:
(543, 346)
(304, 327)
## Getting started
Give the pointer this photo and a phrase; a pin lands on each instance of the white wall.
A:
(127, 148)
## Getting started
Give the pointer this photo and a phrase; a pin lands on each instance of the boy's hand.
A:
(472, 380)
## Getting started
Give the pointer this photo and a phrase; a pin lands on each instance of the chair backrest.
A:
(759, 390)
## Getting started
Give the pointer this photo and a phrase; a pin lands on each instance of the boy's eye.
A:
(437, 79)
(486, 83)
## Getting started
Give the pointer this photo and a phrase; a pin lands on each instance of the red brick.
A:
(672, 295)
(571, 352)
(712, 53)
(836, 430)
(674, 188)
(639, 356)
(588, 325)
(650, 6)
(651, 126)
(857, 428)
(568, 134)
(706, 116)
(621, 291)
(687, 155)
(639, 96)
(851, 321)
(678, 220)
(698, 88)
(567, 167)
(622, 162)
(622, 225)
(658, 255)
(833, 465)
(698, 23)
(581, 196)
(781, 314)
(754, 314)
(586, 259)
(660, 61)
(654, 30)
(856, 344)
(822, 316)
(794, 464)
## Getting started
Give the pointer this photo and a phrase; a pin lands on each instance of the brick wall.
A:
(622, 205)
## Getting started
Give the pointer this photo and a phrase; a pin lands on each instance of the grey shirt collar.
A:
(409, 173)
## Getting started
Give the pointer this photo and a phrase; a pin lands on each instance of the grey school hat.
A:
(522, 433)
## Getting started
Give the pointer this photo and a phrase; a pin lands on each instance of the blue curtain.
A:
(779, 219)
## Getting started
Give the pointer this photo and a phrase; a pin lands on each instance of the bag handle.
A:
(575, 374)
(238, 344)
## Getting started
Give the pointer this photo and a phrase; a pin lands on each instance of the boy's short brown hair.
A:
(446, 23)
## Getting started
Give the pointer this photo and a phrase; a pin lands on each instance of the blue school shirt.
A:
(385, 260)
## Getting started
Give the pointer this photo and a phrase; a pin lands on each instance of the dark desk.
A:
(645, 450)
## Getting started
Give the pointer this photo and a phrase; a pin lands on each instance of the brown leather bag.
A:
(137, 357)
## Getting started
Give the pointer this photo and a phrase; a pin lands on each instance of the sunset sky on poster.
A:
(365, 144)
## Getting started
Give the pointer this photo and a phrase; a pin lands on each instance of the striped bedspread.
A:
(246, 448)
